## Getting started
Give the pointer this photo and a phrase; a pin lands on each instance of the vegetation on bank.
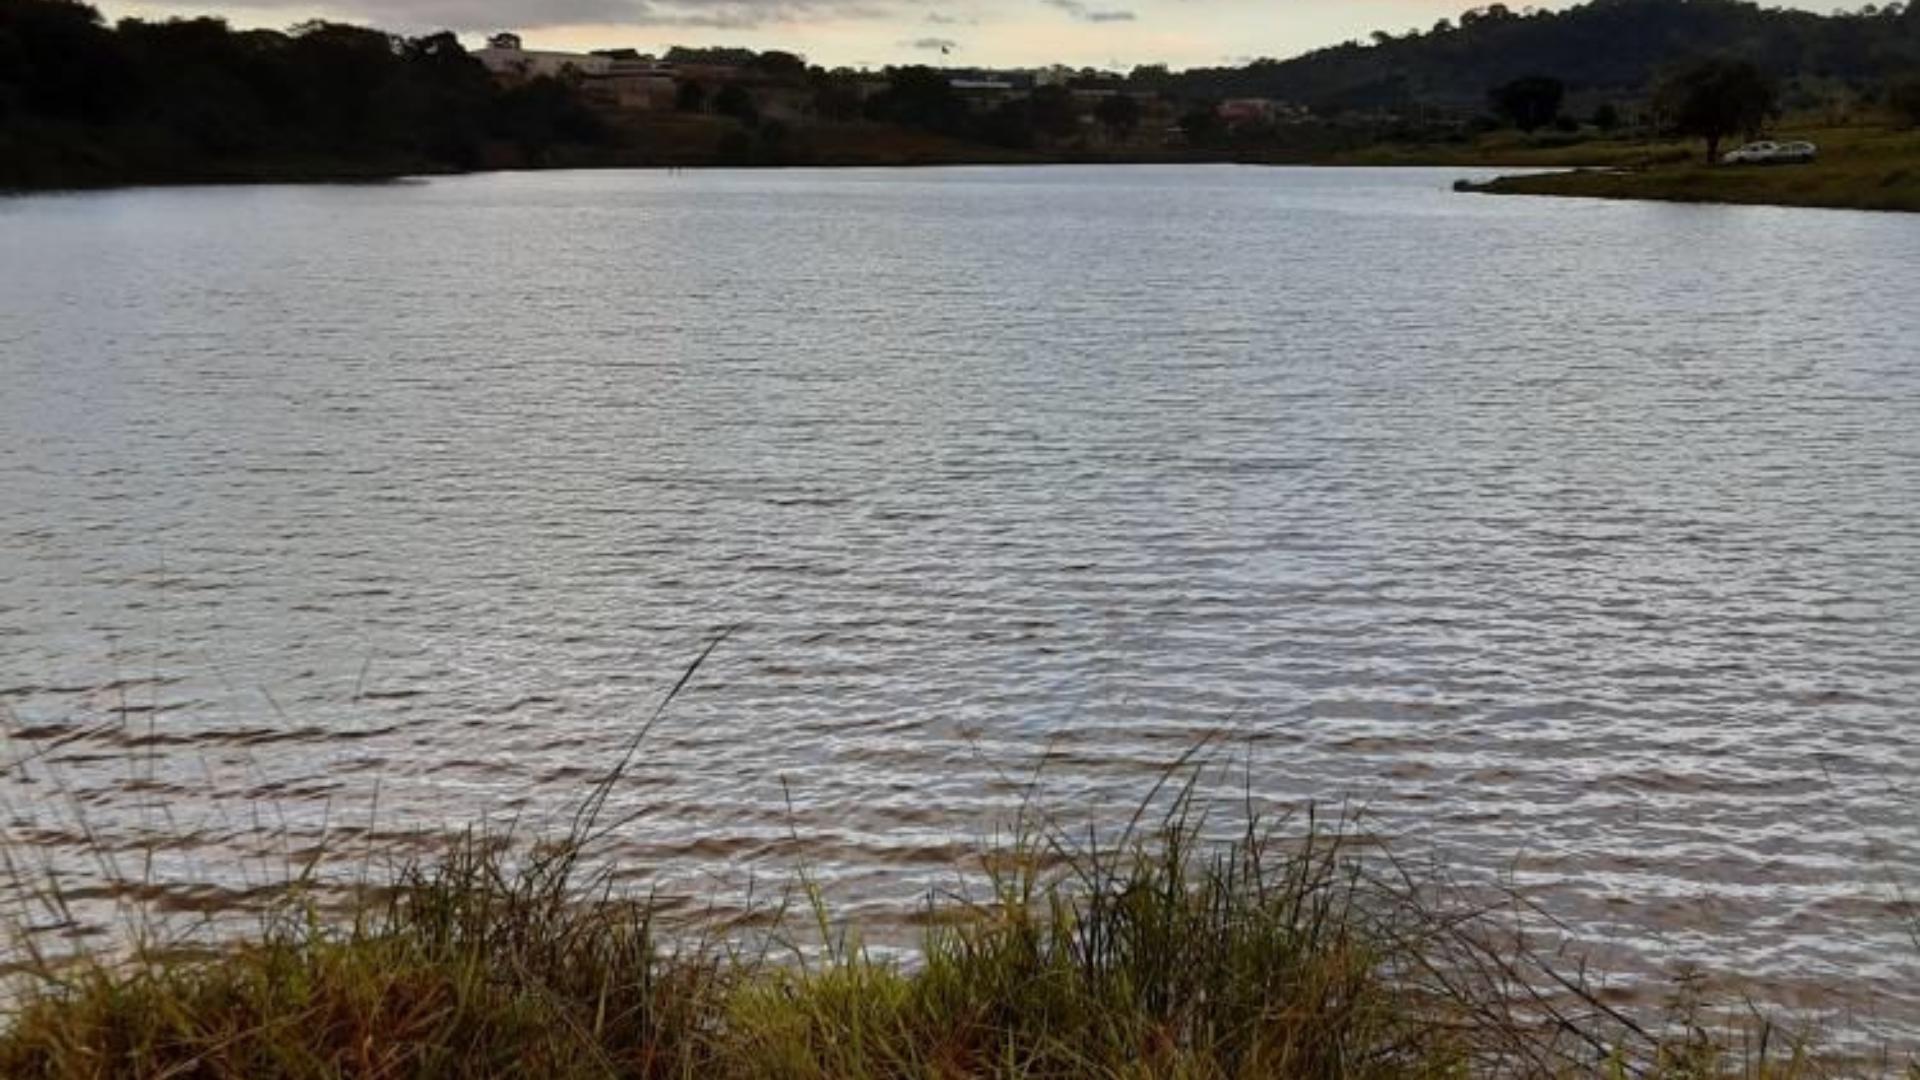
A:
(83, 103)
(1303, 953)
(1605, 52)
(1864, 167)
(1294, 948)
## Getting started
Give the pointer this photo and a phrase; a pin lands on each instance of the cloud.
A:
(941, 19)
(483, 15)
(1083, 13)
(933, 44)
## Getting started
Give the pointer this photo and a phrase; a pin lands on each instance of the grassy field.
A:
(1861, 167)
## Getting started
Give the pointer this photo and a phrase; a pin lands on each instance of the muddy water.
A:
(1579, 542)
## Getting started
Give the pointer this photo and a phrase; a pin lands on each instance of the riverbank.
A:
(1865, 167)
(1860, 168)
(1296, 950)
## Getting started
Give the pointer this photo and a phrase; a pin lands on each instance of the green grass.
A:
(1163, 956)
(1291, 949)
(1861, 167)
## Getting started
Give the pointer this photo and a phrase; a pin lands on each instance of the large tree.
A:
(1903, 97)
(1530, 102)
(1713, 99)
(734, 100)
(1119, 114)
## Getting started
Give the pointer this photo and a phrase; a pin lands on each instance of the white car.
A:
(1771, 153)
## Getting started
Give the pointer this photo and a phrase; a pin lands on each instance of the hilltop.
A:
(1604, 49)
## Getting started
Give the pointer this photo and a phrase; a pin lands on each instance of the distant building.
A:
(634, 82)
(712, 75)
(518, 63)
(1095, 87)
(622, 79)
(990, 85)
(1238, 111)
(1245, 110)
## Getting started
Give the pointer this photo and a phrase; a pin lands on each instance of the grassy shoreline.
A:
(1860, 168)
(1297, 947)
(1863, 168)
(1168, 945)
(1297, 950)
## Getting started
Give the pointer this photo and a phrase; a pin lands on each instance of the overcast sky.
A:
(1100, 33)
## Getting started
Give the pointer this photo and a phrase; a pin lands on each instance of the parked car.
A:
(1796, 153)
(1772, 153)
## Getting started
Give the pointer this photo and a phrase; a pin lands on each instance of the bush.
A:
(734, 100)
(1903, 98)
(735, 148)
(1530, 103)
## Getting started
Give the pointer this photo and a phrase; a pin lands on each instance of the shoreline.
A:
(1896, 189)
(1704, 186)
(1301, 947)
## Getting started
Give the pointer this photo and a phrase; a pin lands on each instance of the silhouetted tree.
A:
(781, 65)
(1202, 125)
(1119, 114)
(1053, 111)
(690, 96)
(735, 147)
(1903, 97)
(1716, 98)
(1606, 117)
(543, 113)
(921, 97)
(57, 60)
(836, 95)
(1529, 103)
(1008, 124)
(733, 100)
(1149, 77)
(774, 137)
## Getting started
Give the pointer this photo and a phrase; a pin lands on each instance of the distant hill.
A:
(1608, 48)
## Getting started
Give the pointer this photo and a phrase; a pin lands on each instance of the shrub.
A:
(1903, 98)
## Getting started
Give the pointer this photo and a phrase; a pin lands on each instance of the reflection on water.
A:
(1576, 540)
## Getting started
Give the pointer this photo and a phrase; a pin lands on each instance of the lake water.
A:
(1578, 541)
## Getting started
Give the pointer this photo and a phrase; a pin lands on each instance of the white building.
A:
(531, 63)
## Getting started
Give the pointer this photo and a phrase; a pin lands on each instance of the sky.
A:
(1114, 34)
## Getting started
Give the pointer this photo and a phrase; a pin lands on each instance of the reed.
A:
(1294, 947)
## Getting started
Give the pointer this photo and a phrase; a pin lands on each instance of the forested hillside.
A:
(1608, 47)
(81, 102)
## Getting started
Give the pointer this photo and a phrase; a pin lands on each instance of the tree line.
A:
(193, 98)
(1607, 48)
(82, 101)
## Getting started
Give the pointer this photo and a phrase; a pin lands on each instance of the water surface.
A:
(1576, 540)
